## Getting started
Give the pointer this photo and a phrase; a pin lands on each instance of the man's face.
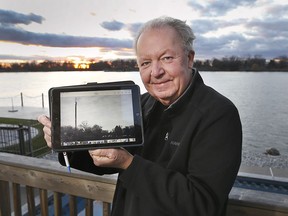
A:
(165, 68)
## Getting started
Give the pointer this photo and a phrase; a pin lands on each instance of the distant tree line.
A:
(233, 63)
(84, 132)
(115, 65)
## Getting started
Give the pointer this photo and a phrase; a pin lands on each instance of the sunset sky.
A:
(80, 30)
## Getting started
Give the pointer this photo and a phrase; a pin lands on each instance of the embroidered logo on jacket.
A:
(174, 143)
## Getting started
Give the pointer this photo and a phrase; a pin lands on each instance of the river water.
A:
(261, 98)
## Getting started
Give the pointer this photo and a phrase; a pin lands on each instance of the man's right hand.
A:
(45, 121)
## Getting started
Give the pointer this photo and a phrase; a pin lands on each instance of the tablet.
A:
(104, 115)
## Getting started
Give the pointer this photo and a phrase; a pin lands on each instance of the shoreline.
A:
(252, 159)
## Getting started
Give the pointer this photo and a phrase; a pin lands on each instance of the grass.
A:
(38, 143)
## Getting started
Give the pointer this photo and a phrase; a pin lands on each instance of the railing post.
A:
(21, 139)
(42, 100)
(17, 199)
(43, 202)
(30, 201)
(29, 142)
(106, 209)
(72, 205)
(89, 207)
(21, 94)
(5, 208)
(57, 204)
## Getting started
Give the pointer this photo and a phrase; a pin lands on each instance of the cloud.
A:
(235, 44)
(12, 33)
(266, 35)
(133, 28)
(17, 35)
(218, 7)
(27, 58)
(112, 26)
(217, 45)
(202, 26)
(268, 29)
(8, 17)
(276, 11)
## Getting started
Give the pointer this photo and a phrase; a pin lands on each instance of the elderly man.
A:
(192, 135)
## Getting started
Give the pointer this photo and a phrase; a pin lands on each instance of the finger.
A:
(98, 152)
(117, 158)
(48, 140)
(47, 136)
(91, 152)
(44, 120)
(47, 131)
(103, 161)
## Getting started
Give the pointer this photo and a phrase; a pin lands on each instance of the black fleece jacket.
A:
(189, 161)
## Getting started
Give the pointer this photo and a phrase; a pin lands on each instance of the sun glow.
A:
(80, 63)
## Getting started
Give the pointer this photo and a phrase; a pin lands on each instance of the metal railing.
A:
(24, 100)
(17, 139)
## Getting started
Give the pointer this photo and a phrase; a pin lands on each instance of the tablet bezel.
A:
(55, 115)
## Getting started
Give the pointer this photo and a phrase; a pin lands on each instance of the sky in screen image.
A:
(92, 30)
(106, 110)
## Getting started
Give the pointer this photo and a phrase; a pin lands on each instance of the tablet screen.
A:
(91, 117)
